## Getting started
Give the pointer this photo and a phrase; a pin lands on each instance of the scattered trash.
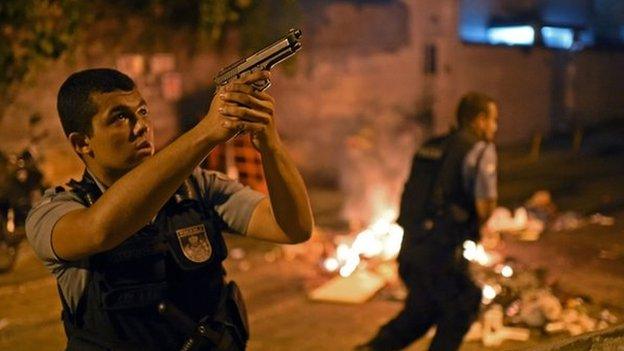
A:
(517, 298)
(541, 206)
(494, 332)
(522, 223)
(567, 221)
(608, 317)
(356, 288)
(600, 219)
(538, 307)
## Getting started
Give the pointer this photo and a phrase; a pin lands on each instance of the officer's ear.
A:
(81, 143)
(481, 120)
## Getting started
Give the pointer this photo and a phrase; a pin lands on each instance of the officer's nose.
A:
(142, 126)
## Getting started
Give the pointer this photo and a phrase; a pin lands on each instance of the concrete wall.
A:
(517, 79)
(599, 85)
(359, 100)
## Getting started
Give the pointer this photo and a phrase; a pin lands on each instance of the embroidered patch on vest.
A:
(194, 243)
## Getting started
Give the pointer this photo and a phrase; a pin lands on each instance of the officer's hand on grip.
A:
(238, 108)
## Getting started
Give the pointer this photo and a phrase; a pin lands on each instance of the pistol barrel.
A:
(264, 59)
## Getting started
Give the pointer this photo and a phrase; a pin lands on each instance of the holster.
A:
(227, 329)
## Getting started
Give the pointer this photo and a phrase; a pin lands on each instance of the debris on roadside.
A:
(516, 300)
(356, 288)
(601, 219)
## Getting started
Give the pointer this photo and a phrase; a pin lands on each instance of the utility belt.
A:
(226, 330)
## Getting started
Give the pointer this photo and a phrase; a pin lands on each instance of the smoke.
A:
(375, 160)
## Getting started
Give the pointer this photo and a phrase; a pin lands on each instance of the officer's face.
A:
(490, 122)
(122, 132)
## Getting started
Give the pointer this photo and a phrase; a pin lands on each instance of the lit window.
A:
(511, 35)
(558, 38)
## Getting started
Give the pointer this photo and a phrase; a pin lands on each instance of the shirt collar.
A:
(97, 181)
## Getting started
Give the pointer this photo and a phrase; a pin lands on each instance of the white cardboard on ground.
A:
(356, 288)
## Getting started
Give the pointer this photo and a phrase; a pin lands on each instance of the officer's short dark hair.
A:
(471, 105)
(74, 104)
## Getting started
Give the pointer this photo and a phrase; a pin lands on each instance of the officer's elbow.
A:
(300, 236)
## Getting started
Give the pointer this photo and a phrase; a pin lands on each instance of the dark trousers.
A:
(440, 293)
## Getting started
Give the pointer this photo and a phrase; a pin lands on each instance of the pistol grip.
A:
(261, 85)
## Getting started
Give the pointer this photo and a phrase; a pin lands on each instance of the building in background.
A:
(374, 78)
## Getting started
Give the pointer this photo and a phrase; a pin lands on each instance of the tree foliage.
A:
(257, 21)
(36, 31)
(32, 31)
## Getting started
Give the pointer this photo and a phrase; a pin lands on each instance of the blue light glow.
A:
(511, 35)
(586, 37)
(558, 38)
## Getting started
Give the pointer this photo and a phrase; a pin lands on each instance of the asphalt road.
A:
(283, 318)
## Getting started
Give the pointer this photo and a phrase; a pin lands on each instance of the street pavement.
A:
(283, 318)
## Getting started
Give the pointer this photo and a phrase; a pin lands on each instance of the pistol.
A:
(264, 59)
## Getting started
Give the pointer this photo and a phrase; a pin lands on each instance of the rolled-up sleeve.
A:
(42, 218)
(232, 201)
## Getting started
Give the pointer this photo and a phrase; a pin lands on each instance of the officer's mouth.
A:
(145, 147)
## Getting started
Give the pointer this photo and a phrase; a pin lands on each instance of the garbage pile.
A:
(539, 213)
(516, 300)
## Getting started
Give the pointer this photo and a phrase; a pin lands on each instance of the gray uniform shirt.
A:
(480, 171)
(235, 205)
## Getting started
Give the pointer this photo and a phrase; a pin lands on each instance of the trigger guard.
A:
(261, 85)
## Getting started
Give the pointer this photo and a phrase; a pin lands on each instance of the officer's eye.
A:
(122, 116)
(143, 111)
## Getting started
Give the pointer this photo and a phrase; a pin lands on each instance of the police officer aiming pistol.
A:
(136, 245)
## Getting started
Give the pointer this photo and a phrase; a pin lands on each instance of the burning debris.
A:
(354, 258)
(515, 300)
(382, 240)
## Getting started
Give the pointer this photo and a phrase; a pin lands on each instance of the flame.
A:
(331, 264)
(507, 271)
(382, 239)
(474, 252)
(489, 293)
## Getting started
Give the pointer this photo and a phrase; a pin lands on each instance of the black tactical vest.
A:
(178, 257)
(435, 206)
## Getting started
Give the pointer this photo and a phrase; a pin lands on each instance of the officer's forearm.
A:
(287, 192)
(136, 197)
